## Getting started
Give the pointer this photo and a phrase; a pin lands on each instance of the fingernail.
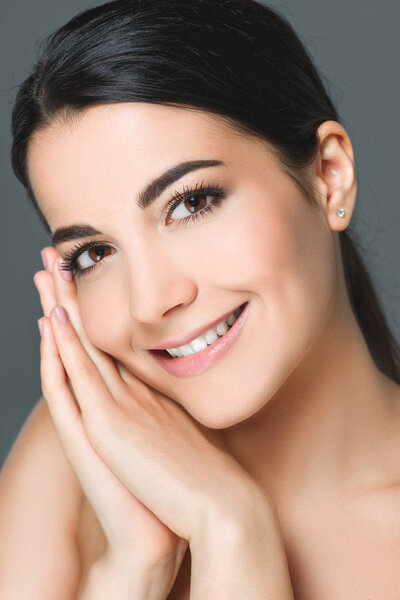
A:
(43, 259)
(67, 275)
(40, 325)
(61, 314)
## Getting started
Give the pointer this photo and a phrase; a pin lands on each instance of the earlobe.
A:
(337, 175)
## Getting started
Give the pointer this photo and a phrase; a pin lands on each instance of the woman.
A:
(221, 403)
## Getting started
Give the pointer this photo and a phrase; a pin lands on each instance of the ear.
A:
(335, 174)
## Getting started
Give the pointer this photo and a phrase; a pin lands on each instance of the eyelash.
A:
(71, 257)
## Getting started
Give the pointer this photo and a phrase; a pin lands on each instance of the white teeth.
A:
(222, 328)
(207, 338)
(175, 352)
(186, 350)
(211, 335)
(198, 344)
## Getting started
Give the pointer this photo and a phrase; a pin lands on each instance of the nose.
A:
(159, 283)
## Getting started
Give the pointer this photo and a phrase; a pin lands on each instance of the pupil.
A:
(194, 202)
(96, 253)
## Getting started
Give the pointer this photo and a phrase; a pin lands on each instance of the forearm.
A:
(240, 559)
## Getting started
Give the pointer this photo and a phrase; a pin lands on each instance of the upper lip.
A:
(182, 341)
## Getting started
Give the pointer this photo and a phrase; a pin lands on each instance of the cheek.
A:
(281, 252)
(277, 252)
(103, 317)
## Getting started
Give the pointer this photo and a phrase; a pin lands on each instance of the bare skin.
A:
(319, 427)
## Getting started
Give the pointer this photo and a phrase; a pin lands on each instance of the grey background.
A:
(355, 44)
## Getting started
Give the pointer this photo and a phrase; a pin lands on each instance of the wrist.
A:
(236, 509)
(240, 556)
(234, 526)
(114, 577)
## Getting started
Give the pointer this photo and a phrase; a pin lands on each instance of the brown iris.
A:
(98, 252)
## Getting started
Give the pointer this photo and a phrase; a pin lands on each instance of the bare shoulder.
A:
(40, 504)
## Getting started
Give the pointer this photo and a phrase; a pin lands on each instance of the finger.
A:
(92, 394)
(49, 255)
(43, 281)
(62, 406)
(92, 472)
(49, 293)
(54, 288)
(66, 295)
(58, 290)
(46, 258)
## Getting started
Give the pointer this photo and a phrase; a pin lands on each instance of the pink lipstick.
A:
(202, 360)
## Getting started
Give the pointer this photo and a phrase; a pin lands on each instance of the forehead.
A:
(109, 150)
(123, 134)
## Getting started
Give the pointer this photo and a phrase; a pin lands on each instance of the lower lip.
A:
(200, 361)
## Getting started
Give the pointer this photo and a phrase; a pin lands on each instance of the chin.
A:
(225, 416)
(232, 407)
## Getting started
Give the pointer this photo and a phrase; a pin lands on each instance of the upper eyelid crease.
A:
(146, 197)
(213, 189)
(156, 187)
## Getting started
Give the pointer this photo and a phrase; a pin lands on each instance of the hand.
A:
(136, 539)
(177, 468)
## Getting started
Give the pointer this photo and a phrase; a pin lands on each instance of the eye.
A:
(92, 255)
(194, 201)
(85, 257)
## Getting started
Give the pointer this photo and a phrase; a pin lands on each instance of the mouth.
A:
(198, 361)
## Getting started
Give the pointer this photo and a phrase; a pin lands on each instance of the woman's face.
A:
(156, 278)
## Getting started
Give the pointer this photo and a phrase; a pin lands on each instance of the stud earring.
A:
(341, 212)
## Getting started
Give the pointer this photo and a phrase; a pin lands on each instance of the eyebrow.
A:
(146, 197)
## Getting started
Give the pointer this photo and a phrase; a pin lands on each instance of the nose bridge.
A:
(157, 282)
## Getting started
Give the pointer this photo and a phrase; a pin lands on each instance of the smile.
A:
(210, 349)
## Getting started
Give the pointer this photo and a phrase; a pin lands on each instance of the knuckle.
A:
(83, 368)
(51, 386)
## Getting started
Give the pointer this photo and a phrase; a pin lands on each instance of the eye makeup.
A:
(71, 258)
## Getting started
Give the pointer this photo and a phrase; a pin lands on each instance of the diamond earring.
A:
(341, 212)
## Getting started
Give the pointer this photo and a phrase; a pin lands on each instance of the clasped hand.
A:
(153, 475)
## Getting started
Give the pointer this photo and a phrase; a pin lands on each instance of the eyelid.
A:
(83, 245)
(190, 189)
(72, 256)
(210, 189)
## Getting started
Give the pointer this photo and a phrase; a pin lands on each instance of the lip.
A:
(200, 361)
(182, 341)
